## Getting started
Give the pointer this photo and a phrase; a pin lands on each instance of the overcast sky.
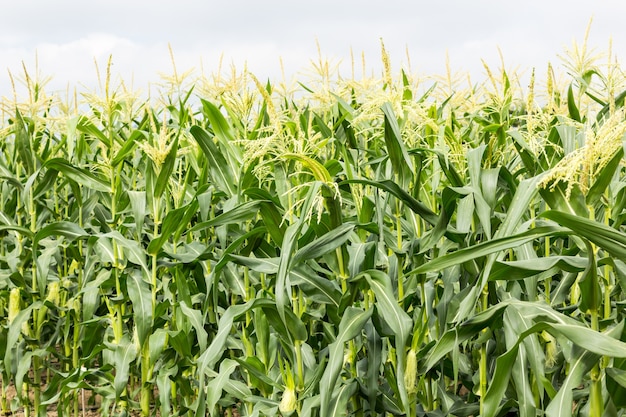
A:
(67, 35)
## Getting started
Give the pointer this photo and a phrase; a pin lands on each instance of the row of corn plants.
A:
(358, 246)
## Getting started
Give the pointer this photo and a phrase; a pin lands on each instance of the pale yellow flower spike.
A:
(363, 65)
(169, 48)
(584, 164)
(611, 77)
(271, 109)
(352, 64)
(530, 99)
(550, 87)
(408, 58)
(386, 65)
(107, 85)
(449, 74)
(13, 86)
(161, 147)
(490, 76)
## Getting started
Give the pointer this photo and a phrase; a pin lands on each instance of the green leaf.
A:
(132, 250)
(212, 354)
(290, 328)
(518, 208)
(514, 270)
(317, 288)
(618, 103)
(530, 353)
(127, 147)
(125, 353)
(15, 329)
(482, 209)
(171, 223)
(215, 387)
(375, 360)
(603, 180)
(499, 383)
(196, 319)
(166, 170)
(19, 229)
(396, 318)
(140, 297)
(339, 405)
(416, 206)
(80, 176)
(70, 231)
(561, 404)
(256, 369)
(220, 126)
(387, 305)
(220, 170)
(23, 369)
(320, 173)
(350, 326)
(571, 104)
(458, 334)
(242, 212)
(86, 126)
(604, 236)
(290, 241)
(556, 197)
(446, 166)
(324, 244)
(271, 212)
(262, 265)
(616, 382)
(400, 161)
(591, 340)
(157, 343)
(138, 205)
(484, 249)
(23, 143)
(590, 291)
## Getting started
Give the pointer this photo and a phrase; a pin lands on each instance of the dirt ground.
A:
(86, 411)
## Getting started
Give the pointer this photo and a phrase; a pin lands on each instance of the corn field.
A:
(365, 246)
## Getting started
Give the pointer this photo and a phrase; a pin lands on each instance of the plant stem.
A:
(483, 358)
(596, 408)
(146, 391)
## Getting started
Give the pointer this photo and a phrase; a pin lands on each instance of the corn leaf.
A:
(166, 170)
(125, 353)
(139, 295)
(219, 169)
(486, 248)
(400, 161)
(351, 324)
(604, 236)
(324, 244)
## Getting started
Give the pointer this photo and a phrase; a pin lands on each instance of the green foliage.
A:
(344, 250)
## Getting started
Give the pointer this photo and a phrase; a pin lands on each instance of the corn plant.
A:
(386, 245)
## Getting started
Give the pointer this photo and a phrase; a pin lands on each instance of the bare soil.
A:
(86, 410)
(85, 407)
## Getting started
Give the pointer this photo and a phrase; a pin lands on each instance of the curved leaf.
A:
(350, 326)
(220, 170)
(140, 297)
(486, 248)
(81, 176)
(607, 238)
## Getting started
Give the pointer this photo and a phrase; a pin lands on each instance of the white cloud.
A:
(67, 36)
(77, 63)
